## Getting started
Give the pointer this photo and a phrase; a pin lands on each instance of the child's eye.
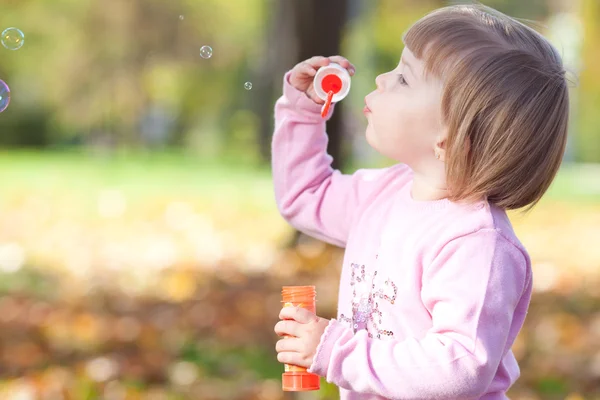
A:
(402, 80)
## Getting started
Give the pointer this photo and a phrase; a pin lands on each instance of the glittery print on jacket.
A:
(367, 293)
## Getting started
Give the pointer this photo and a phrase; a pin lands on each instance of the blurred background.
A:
(141, 252)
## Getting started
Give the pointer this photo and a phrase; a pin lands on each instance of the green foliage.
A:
(94, 68)
(106, 73)
(588, 121)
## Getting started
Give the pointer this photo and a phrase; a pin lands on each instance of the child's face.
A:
(405, 113)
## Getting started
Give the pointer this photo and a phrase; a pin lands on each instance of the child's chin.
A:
(370, 139)
(375, 147)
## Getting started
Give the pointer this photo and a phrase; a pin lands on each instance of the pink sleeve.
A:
(471, 290)
(310, 195)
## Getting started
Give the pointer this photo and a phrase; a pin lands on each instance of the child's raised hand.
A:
(304, 329)
(303, 74)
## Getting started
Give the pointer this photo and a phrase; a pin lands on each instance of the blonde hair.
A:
(505, 103)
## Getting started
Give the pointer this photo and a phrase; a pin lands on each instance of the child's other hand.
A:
(303, 74)
(305, 329)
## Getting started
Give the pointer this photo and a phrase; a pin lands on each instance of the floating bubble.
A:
(248, 85)
(13, 38)
(181, 17)
(4, 95)
(206, 52)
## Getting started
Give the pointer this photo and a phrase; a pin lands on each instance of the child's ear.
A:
(440, 148)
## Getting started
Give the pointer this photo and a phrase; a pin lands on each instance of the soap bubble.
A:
(13, 38)
(248, 85)
(206, 52)
(4, 96)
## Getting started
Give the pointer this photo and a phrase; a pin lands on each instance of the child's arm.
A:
(310, 195)
(471, 290)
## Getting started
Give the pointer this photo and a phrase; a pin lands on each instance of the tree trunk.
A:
(300, 29)
(319, 27)
(280, 55)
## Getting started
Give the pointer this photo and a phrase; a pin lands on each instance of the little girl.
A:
(435, 285)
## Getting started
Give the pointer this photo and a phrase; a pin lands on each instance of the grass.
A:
(79, 178)
(144, 174)
(576, 182)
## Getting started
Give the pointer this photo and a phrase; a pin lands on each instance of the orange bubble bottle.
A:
(297, 379)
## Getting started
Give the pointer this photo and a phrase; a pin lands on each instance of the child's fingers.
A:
(340, 60)
(344, 63)
(286, 328)
(307, 69)
(318, 61)
(313, 95)
(298, 314)
(289, 344)
(292, 358)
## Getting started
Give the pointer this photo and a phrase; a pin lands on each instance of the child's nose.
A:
(380, 81)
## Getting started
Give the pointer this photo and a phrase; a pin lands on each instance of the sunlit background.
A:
(141, 252)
